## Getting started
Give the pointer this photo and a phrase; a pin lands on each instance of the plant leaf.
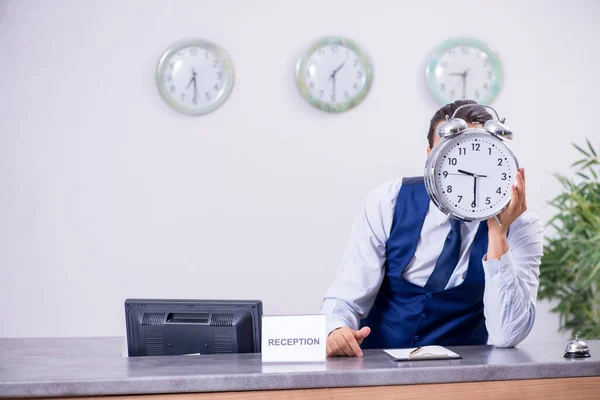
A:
(581, 150)
(591, 148)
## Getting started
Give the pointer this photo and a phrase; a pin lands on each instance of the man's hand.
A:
(498, 245)
(346, 341)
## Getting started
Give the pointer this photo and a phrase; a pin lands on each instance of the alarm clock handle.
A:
(477, 105)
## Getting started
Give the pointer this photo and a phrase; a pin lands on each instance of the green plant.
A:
(570, 269)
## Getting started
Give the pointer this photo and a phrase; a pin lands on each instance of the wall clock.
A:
(463, 69)
(334, 74)
(195, 76)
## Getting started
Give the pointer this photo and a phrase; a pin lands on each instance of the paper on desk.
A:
(425, 353)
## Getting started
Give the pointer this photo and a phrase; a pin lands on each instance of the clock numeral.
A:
(498, 191)
(477, 94)
(490, 151)
(499, 162)
(172, 89)
(171, 65)
(207, 94)
(488, 201)
(219, 75)
(356, 61)
(489, 74)
(216, 86)
(180, 54)
(359, 74)
(464, 50)
(169, 77)
(486, 63)
(445, 173)
(215, 63)
(485, 85)
(195, 100)
(193, 52)
(442, 87)
(459, 198)
(444, 64)
(504, 176)
(347, 95)
(334, 49)
(311, 85)
(206, 55)
(451, 53)
(449, 189)
(355, 86)
(321, 93)
(462, 150)
(452, 161)
(475, 146)
(473, 204)
(333, 98)
(182, 96)
(321, 51)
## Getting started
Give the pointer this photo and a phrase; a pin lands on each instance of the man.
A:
(382, 296)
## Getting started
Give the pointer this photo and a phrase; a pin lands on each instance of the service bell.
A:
(577, 349)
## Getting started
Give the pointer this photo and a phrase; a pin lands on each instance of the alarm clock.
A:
(469, 172)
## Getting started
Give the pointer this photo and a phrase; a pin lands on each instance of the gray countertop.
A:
(93, 366)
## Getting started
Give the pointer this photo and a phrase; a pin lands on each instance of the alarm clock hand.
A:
(470, 174)
(466, 172)
(474, 191)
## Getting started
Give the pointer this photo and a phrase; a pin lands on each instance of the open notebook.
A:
(421, 353)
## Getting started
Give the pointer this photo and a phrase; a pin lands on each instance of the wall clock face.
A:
(463, 69)
(334, 74)
(469, 175)
(195, 76)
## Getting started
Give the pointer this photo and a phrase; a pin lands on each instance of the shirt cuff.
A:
(333, 325)
(503, 267)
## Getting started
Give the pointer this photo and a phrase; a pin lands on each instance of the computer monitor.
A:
(175, 327)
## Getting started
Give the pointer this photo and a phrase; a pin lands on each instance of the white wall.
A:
(106, 193)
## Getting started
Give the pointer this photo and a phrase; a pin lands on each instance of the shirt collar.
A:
(440, 217)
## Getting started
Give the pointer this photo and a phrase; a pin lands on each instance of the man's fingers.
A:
(514, 196)
(354, 347)
(335, 348)
(344, 345)
(523, 189)
(361, 334)
(329, 351)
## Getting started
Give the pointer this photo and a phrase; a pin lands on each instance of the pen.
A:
(415, 351)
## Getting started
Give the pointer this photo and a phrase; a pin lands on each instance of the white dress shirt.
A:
(511, 283)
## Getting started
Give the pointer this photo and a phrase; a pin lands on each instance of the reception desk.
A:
(78, 367)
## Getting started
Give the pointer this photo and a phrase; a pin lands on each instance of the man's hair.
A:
(469, 114)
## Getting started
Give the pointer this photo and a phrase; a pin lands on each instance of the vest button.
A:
(417, 338)
(428, 295)
(424, 316)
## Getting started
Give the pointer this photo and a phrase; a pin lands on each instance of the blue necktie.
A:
(446, 262)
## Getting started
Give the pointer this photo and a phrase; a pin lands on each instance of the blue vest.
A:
(406, 315)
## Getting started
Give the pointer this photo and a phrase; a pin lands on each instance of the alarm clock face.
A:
(194, 76)
(461, 69)
(470, 175)
(334, 74)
